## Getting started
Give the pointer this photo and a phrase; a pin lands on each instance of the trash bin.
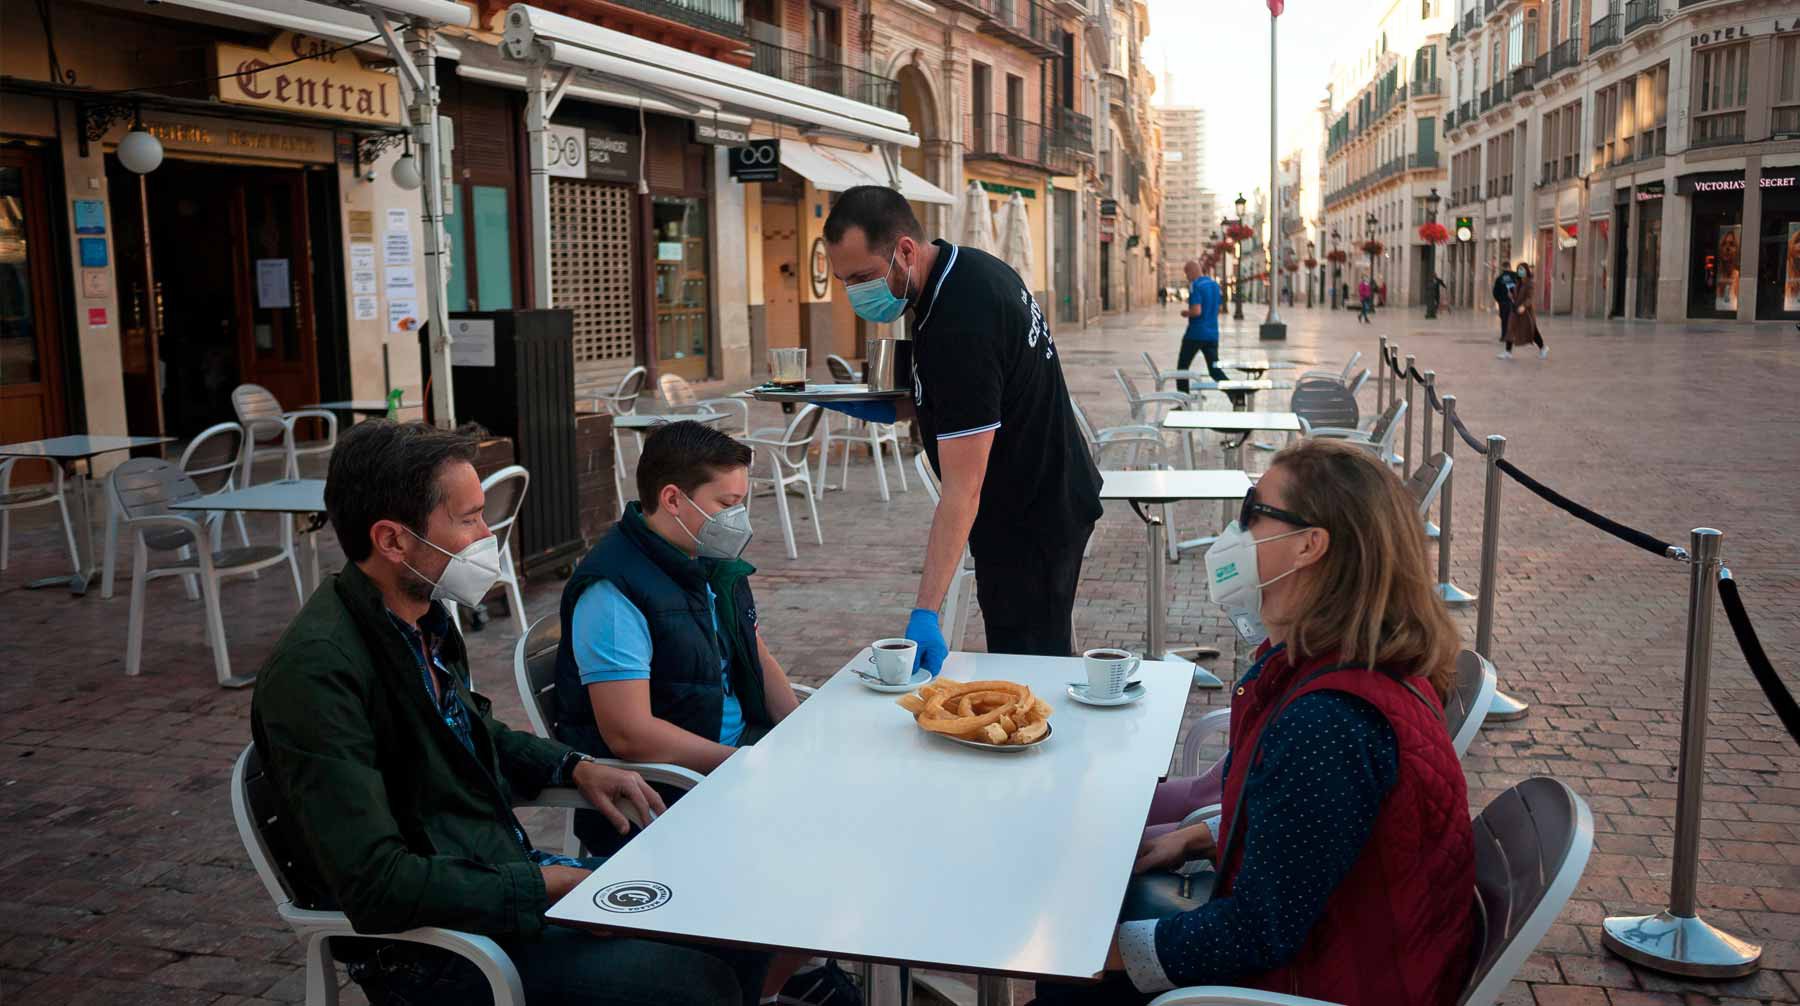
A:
(514, 373)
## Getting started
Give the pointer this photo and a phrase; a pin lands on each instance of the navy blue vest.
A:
(669, 589)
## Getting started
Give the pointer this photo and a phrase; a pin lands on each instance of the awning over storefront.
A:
(834, 170)
(321, 20)
(559, 43)
(484, 63)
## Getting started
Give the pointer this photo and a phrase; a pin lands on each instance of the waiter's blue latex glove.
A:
(868, 412)
(922, 628)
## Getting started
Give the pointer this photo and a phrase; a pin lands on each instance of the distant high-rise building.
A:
(1187, 205)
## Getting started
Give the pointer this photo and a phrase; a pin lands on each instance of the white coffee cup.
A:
(894, 660)
(1107, 671)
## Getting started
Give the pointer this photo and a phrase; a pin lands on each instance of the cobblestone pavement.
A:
(122, 879)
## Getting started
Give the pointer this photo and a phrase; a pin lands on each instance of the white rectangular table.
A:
(66, 451)
(1166, 488)
(287, 496)
(362, 406)
(851, 833)
(1245, 423)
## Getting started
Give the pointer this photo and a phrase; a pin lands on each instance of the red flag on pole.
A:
(1275, 7)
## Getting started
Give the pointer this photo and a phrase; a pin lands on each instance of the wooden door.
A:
(781, 274)
(31, 374)
(140, 301)
(277, 345)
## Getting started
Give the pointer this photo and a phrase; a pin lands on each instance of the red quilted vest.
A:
(1399, 928)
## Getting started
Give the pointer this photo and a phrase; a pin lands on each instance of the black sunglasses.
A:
(1252, 510)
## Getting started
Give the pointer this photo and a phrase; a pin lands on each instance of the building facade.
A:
(1382, 122)
(1187, 213)
(1643, 156)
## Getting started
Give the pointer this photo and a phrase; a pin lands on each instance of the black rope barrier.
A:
(1413, 372)
(1431, 396)
(1394, 365)
(1773, 689)
(1468, 438)
(1629, 535)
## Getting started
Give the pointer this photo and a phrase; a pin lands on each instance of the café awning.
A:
(835, 169)
(485, 64)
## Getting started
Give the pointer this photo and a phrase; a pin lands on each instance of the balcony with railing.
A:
(1450, 120)
(1718, 130)
(807, 70)
(1524, 78)
(1027, 23)
(723, 17)
(1604, 33)
(1072, 132)
(1455, 37)
(1641, 13)
(1487, 100)
(1431, 86)
(1422, 161)
(998, 137)
(1465, 111)
(1566, 55)
(1492, 7)
(1469, 21)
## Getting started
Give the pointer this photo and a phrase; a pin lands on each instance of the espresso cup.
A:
(1107, 671)
(894, 660)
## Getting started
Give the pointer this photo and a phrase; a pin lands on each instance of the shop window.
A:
(1778, 270)
(1786, 116)
(493, 247)
(1715, 254)
(1721, 92)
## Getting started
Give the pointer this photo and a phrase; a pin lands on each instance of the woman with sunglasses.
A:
(1346, 861)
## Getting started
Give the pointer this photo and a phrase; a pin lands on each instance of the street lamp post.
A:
(1370, 224)
(1431, 291)
(1237, 299)
(1337, 271)
(1311, 273)
(1273, 329)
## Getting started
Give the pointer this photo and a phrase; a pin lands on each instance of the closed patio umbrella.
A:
(1015, 236)
(977, 230)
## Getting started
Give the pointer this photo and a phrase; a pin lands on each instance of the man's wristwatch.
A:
(572, 759)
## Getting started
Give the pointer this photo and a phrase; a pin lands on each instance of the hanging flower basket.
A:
(1312, 263)
(1434, 233)
(1239, 232)
(1293, 267)
(1337, 255)
(1373, 248)
(1225, 247)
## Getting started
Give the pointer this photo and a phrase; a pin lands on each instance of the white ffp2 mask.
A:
(470, 574)
(1232, 579)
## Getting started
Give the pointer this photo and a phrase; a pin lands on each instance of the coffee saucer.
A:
(920, 678)
(1133, 692)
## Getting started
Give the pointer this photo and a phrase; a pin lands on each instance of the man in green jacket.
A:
(397, 780)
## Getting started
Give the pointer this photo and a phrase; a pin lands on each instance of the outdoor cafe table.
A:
(849, 832)
(362, 406)
(1168, 487)
(288, 496)
(1244, 391)
(66, 451)
(1187, 421)
(1255, 368)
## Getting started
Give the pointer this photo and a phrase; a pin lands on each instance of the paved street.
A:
(122, 879)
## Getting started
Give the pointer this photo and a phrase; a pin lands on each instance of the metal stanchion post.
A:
(1381, 359)
(1677, 941)
(1405, 454)
(1453, 595)
(1431, 530)
(1505, 707)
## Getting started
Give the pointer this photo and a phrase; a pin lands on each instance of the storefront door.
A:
(1649, 253)
(781, 274)
(682, 290)
(1621, 252)
(31, 374)
(1065, 257)
(274, 284)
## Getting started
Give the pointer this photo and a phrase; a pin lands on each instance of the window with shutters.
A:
(1721, 92)
(1786, 120)
(1653, 110)
(591, 273)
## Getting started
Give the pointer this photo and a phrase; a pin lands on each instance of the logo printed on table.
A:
(632, 896)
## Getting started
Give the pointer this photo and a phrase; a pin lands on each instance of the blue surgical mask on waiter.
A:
(873, 300)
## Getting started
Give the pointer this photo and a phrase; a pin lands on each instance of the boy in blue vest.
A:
(661, 659)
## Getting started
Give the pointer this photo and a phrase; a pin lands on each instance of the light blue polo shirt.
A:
(612, 643)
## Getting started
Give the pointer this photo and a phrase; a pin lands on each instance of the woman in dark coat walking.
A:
(1522, 327)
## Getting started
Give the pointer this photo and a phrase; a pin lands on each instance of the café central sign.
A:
(324, 82)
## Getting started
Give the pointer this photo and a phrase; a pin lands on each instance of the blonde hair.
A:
(1372, 596)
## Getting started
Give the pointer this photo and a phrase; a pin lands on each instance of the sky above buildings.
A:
(1217, 52)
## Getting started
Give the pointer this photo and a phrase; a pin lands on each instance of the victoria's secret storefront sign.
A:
(325, 83)
(1730, 181)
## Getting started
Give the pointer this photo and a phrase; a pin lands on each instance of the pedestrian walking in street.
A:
(1365, 294)
(1504, 285)
(1521, 326)
(1018, 486)
(1162, 296)
(1202, 334)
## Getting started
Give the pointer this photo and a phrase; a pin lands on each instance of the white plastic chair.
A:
(505, 491)
(953, 616)
(1532, 843)
(857, 431)
(679, 396)
(1426, 482)
(1342, 377)
(142, 490)
(622, 400)
(1200, 379)
(787, 451)
(1151, 407)
(1136, 440)
(212, 460)
(24, 499)
(1379, 437)
(261, 415)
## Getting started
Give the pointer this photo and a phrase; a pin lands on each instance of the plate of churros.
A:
(990, 715)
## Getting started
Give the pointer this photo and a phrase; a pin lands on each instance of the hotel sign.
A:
(324, 83)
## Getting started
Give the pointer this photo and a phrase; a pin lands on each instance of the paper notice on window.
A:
(362, 282)
(403, 316)
(397, 248)
(397, 218)
(272, 283)
(362, 256)
(367, 308)
(400, 281)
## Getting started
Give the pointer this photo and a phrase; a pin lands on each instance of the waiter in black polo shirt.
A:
(1018, 486)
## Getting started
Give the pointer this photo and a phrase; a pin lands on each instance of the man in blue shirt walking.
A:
(1202, 313)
